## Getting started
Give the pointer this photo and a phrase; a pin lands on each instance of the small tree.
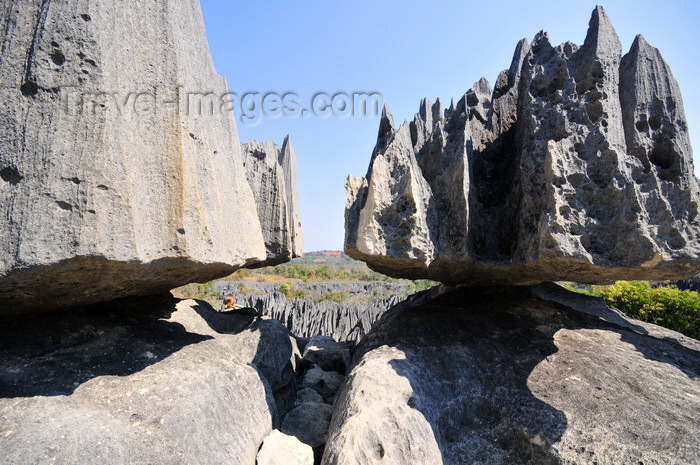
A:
(285, 288)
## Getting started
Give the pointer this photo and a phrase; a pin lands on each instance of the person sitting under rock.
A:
(229, 303)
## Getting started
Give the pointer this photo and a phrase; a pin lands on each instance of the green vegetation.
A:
(666, 306)
(421, 285)
(199, 291)
(314, 267)
(285, 289)
(334, 296)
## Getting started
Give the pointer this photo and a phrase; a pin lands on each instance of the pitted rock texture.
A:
(271, 173)
(576, 166)
(514, 376)
(119, 175)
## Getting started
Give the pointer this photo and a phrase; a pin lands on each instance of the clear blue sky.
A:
(405, 50)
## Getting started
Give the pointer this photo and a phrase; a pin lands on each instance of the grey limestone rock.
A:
(162, 384)
(307, 395)
(326, 383)
(328, 354)
(267, 345)
(271, 173)
(521, 375)
(309, 423)
(304, 318)
(121, 171)
(576, 166)
(281, 449)
(692, 284)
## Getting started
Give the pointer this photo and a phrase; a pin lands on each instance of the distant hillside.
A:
(331, 258)
(322, 266)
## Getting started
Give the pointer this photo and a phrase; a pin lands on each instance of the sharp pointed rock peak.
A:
(656, 129)
(386, 122)
(547, 177)
(271, 174)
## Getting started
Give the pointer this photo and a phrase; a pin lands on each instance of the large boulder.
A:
(280, 449)
(121, 169)
(327, 354)
(517, 376)
(271, 173)
(309, 423)
(152, 383)
(577, 165)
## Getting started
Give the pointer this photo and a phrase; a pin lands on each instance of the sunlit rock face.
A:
(121, 173)
(516, 375)
(271, 173)
(576, 166)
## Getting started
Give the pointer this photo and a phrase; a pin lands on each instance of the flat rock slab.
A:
(517, 376)
(156, 383)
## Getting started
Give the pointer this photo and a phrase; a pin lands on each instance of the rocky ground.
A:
(306, 318)
(533, 375)
(163, 381)
(499, 375)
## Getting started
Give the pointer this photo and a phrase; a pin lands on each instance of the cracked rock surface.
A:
(575, 166)
(120, 172)
(516, 375)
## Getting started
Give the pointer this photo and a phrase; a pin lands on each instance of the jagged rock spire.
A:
(271, 173)
(547, 177)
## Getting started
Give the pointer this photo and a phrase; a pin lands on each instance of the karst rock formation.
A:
(518, 375)
(271, 172)
(121, 169)
(576, 166)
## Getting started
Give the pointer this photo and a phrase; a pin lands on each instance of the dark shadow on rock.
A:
(468, 366)
(271, 356)
(51, 354)
(471, 354)
(231, 322)
(654, 342)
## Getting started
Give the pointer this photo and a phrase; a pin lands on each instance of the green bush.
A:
(285, 289)
(201, 291)
(243, 289)
(299, 294)
(665, 306)
(333, 296)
